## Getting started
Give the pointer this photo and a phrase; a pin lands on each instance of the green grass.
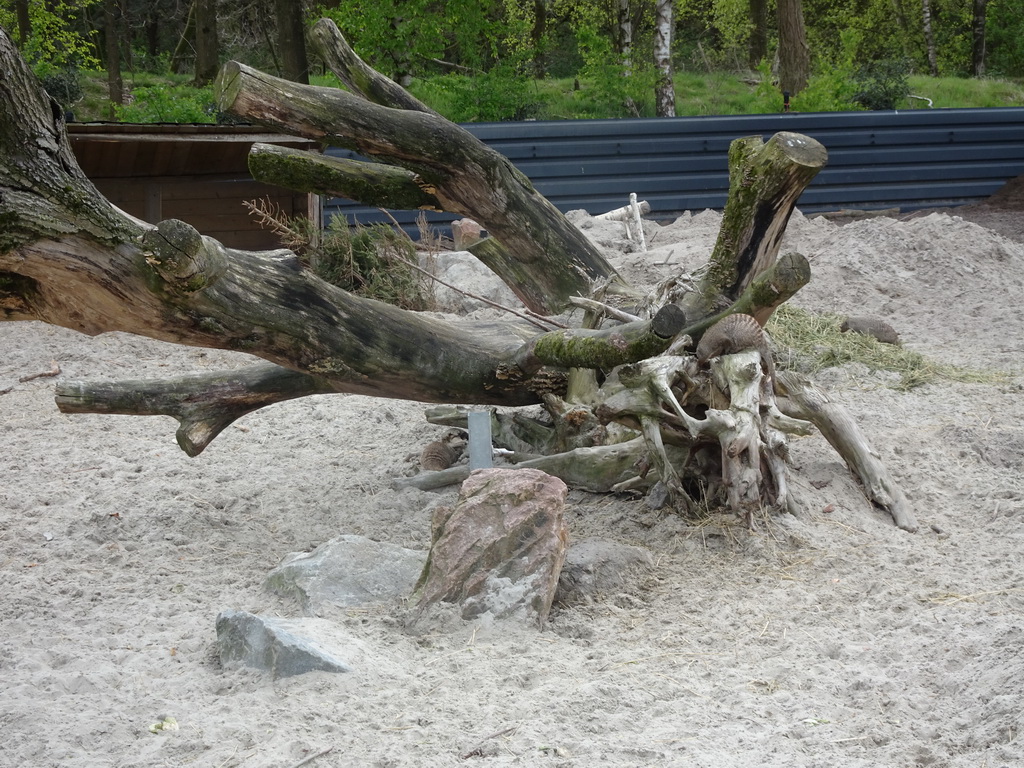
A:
(717, 93)
(149, 98)
(960, 92)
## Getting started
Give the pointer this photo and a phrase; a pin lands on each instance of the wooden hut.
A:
(196, 173)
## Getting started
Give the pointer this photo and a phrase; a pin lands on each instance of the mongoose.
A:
(732, 334)
(441, 454)
(871, 326)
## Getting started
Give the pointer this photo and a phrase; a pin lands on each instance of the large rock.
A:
(500, 550)
(346, 571)
(271, 645)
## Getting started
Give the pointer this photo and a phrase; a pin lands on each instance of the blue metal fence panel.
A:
(912, 159)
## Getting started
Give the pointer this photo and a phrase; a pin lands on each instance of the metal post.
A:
(480, 450)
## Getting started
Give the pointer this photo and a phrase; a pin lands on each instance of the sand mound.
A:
(830, 638)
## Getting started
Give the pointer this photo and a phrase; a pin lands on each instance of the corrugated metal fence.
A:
(912, 159)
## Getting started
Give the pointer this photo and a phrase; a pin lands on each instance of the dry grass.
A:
(816, 343)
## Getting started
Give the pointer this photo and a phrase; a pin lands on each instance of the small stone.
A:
(465, 233)
(598, 566)
(270, 645)
(345, 571)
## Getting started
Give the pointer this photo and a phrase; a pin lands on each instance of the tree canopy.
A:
(507, 42)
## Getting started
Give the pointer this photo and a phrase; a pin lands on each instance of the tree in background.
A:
(929, 38)
(758, 46)
(207, 44)
(665, 94)
(112, 34)
(624, 36)
(52, 36)
(794, 53)
(291, 40)
(1004, 29)
(978, 38)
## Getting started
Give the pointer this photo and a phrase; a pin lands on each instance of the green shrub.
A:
(372, 261)
(834, 87)
(63, 85)
(883, 84)
(168, 104)
(376, 262)
(503, 93)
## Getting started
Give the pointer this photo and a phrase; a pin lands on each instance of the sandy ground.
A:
(829, 638)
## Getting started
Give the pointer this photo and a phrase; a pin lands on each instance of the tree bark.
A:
(794, 53)
(758, 45)
(665, 89)
(538, 38)
(185, 47)
(804, 401)
(24, 21)
(207, 43)
(624, 38)
(112, 35)
(545, 260)
(929, 38)
(765, 181)
(291, 40)
(978, 18)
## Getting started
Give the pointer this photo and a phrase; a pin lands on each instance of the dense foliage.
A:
(521, 59)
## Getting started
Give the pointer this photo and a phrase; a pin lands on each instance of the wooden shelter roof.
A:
(122, 150)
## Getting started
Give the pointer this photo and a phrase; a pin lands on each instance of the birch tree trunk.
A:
(624, 43)
(665, 89)
(929, 38)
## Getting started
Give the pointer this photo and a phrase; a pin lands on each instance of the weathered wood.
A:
(204, 405)
(766, 293)
(373, 184)
(765, 180)
(545, 260)
(69, 258)
(598, 469)
(356, 75)
(804, 401)
(606, 348)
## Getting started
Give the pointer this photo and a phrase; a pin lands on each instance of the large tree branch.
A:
(804, 401)
(765, 181)
(545, 259)
(373, 184)
(357, 75)
(204, 405)
(70, 258)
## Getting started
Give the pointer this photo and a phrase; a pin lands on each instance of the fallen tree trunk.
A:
(69, 258)
(545, 260)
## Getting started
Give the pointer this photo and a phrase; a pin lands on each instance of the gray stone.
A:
(270, 645)
(501, 548)
(598, 566)
(346, 571)
(463, 269)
